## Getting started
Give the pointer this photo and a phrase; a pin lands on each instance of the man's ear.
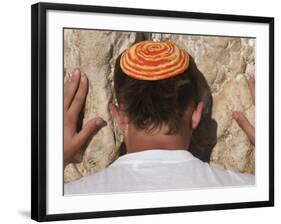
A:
(119, 116)
(197, 114)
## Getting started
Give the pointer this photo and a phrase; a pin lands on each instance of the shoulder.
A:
(107, 180)
(85, 184)
(228, 177)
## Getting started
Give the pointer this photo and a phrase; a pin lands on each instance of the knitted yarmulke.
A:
(150, 60)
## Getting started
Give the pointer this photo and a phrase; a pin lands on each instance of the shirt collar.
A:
(156, 155)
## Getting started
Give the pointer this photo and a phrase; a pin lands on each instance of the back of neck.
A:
(140, 140)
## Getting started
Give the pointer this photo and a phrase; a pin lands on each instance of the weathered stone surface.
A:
(224, 62)
(95, 52)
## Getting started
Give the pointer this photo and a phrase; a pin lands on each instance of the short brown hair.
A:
(150, 104)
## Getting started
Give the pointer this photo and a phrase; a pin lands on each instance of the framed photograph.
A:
(141, 111)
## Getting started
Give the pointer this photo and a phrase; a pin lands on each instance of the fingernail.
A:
(252, 80)
(83, 78)
(67, 76)
(76, 72)
(235, 115)
(100, 122)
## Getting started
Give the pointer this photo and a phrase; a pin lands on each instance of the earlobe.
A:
(114, 113)
(197, 114)
(113, 110)
(118, 116)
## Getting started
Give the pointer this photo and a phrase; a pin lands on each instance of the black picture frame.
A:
(39, 114)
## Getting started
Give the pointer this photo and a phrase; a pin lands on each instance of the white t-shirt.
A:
(157, 169)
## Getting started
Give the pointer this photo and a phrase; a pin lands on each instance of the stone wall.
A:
(224, 62)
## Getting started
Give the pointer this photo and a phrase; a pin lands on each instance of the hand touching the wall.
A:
(75, 92)
(240, 118)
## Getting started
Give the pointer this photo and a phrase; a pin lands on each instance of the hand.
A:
(75, 92)
(240, 118)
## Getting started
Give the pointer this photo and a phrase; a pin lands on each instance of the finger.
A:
(70, 88)
(245, 125)
(251, 83)
(89, 130)
(79, 98)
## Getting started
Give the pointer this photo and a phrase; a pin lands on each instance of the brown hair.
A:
(150, 104)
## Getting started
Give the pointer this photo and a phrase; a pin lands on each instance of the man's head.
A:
(167, 106)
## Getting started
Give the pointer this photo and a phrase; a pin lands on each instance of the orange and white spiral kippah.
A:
(149, 60)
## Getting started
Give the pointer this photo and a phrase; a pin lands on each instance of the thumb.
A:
(245, 125)
(90, 129)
